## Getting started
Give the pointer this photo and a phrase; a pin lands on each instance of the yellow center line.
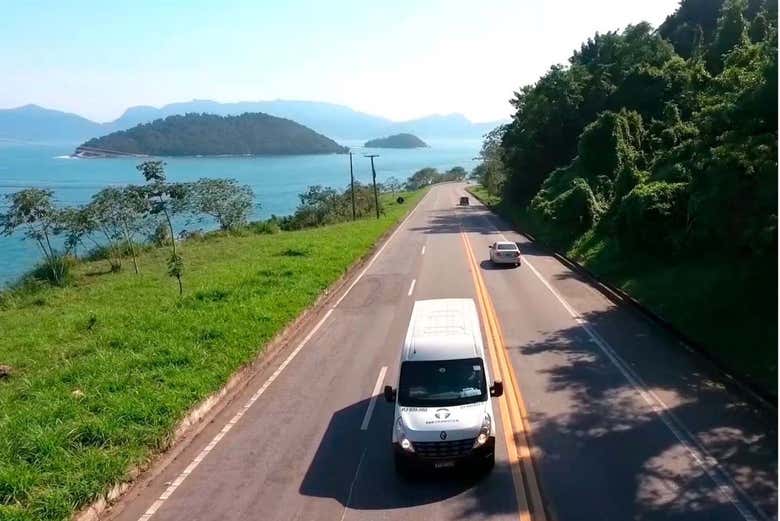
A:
(513, 410)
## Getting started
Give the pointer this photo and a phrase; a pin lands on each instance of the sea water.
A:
(275, 180)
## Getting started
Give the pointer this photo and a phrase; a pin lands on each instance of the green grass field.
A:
(103, 370)
(728, 306)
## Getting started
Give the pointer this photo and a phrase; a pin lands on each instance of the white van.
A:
(443, 409)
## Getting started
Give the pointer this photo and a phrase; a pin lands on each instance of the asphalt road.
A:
(623, 423)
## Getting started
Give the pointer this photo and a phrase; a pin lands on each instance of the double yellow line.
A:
(513, 411)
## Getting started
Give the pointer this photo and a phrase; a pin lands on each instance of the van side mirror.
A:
(389, 394)
(491, 246)
(497, 389)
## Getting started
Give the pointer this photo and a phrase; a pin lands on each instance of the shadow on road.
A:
(605, 437)
(489, 265)
(603, 452)
(355, 468)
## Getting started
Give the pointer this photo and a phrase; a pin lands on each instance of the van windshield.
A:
(442, 383)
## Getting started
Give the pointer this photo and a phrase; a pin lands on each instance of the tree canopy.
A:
(396, 141)
(653, 155)
(208, 134)
(669, 134)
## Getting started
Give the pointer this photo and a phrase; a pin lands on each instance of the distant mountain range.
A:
(34, 123)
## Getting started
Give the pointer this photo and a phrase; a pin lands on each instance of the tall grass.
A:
(104, 368)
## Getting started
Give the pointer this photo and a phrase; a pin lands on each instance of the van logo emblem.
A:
(442, 414)
(443, 435)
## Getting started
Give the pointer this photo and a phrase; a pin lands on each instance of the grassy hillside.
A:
(104, 369)
(729, 307)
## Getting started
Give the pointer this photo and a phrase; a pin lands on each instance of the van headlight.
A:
(405, 442)
(484, 432)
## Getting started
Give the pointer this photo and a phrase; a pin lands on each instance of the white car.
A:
(505, 252)
(443, 409)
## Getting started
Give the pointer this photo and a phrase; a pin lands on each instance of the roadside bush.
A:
(428, 176)
(225, 200)
(161, 235)
(627, 178)
(610, 143)
(193, 235)
(267, 227)
(113, 253)
(574, 209)
(321, 205)
(652, 217)
(57, 271)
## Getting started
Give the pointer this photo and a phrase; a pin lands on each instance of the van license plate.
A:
(444, 464)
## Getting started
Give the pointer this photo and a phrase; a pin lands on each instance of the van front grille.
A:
(443, 449)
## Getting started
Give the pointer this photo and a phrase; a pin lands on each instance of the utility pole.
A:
(373, 173)
(352, 185)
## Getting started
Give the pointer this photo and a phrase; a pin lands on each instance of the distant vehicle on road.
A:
(505, 252)
(443, 409)
(464, 201)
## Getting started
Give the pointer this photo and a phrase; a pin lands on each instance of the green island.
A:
(397, 141)
(210, 135)
(652, 160)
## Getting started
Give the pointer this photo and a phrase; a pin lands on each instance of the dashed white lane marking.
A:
(422, 252)
(726, 486)
(371, 404)
(378, 253)
(235, 419)
(411, 287)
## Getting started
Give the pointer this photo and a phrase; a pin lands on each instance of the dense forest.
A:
(396, 141)
(208, 134)
(651, 157)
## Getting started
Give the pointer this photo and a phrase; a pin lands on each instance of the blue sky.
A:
(400, 59)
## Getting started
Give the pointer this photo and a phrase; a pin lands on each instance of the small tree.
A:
(393, 184)
(422, 178)
(33, 211)
(118, 213)
(319, 205)
(456, 173)
(225, 200)
(491, 173)
(165, 198)
(75, 223)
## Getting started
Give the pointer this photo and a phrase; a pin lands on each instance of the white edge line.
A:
(214, 441)
(370, 409)
(379, 252)
(722, 480)
(229, 425)
(411, 287)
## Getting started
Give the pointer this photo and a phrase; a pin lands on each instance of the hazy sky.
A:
(399, 59)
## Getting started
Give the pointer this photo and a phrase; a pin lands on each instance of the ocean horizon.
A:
(276, 180)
